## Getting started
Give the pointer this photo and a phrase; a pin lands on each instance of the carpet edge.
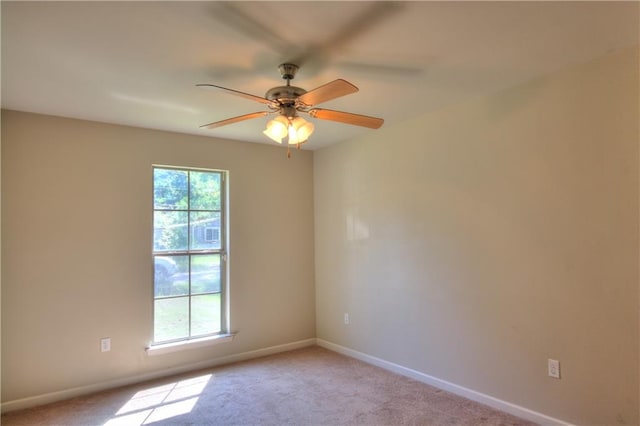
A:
(471, 394)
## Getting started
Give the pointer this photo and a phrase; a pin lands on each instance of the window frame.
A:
(222, 252)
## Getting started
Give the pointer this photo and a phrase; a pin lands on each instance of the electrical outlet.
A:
(346, 319)
(105, 344)
(553, 366)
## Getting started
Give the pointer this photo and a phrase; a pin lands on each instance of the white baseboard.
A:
(97, 387)
(499, 404)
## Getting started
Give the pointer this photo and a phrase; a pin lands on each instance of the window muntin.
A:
(189, 253)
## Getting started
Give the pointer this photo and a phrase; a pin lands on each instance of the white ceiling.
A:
(137, 63)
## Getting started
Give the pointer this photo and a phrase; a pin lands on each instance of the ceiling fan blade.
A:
(320, 55)
(237, 93)
(234, 120)
(231, 14)
(328, 91)
(347, 117)
(389, 70)
(369, 19)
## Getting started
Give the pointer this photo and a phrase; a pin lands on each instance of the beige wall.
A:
(76, 236)
(470, 244)
(474, 243)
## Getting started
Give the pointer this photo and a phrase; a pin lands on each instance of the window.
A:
(211, 234)
(189, 254)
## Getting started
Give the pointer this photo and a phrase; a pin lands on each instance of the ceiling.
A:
(137, 63)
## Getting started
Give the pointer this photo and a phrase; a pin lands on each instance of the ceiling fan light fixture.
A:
(277, 128)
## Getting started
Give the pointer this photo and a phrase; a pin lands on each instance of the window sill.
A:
(189, 344)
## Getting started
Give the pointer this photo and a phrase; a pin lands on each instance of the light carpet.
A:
(310, 386)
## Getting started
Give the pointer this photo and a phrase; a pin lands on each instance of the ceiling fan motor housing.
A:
(285, 95)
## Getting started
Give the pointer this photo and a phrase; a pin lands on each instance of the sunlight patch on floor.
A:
(160, 402)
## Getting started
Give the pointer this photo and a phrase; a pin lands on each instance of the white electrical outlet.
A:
(105, 344)
(553, 366)
(346, 319)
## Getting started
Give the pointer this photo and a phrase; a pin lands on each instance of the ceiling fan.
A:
(289, 101)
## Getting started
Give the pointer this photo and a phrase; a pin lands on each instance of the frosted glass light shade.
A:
(299, 131)
(277, 128)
